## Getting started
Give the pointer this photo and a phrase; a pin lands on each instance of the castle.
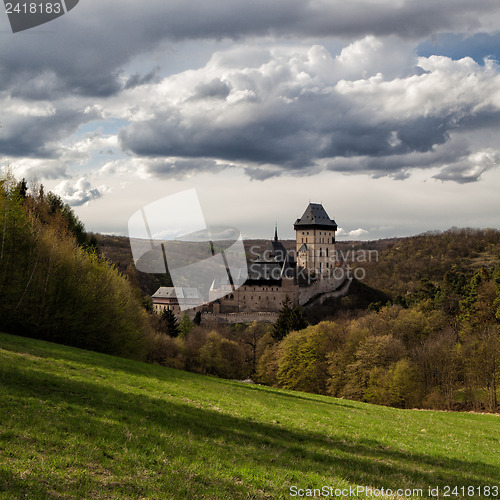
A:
(303, 276)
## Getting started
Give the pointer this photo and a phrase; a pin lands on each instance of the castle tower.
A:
(315, 240)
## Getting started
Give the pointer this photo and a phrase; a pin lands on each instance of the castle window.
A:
(327, 252)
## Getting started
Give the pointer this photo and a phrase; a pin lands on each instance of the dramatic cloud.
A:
(145, 97)
(36, 129)
(87, 51)
(470, 168)
(292, 109)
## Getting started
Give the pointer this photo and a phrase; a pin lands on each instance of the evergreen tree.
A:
(280, 329)
(22, 188)
(290, 319)
(296, 321)
(197, 318)
(170, 323)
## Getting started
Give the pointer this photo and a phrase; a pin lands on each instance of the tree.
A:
(222, 357)
(51, 289)
(22, 188)
(170, 324)
(289, 319)
(185, 326)
(296, 321)
(250, 338)
(302, 363)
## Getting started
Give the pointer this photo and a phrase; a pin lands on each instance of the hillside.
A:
(393, 266)
(402, 263)
(78, 424)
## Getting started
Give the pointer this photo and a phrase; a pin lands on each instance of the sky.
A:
(386, 111)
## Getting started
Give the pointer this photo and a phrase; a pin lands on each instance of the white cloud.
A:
(357, 233)
(80, 193)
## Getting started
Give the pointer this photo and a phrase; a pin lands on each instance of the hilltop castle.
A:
(304, 275)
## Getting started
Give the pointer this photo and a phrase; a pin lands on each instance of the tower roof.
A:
(315, 215)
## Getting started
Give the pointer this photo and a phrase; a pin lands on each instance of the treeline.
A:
(54, 285)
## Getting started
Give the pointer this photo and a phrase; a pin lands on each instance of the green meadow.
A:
(77, 424)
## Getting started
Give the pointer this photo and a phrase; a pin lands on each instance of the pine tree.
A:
(290, 319)
(197, 318)
(296, 321)
(170, 324)
(280, 329)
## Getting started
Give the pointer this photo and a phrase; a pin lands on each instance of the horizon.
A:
(261, 238)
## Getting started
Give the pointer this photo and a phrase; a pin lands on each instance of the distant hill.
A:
(402, 263)
(78, 424)
(117, 250)
(396, 266)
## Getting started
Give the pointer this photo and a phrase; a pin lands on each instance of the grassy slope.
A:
(76, 424)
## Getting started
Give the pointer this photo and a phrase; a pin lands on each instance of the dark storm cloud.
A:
(84, 53)
(137, 79)
(269, 112)
(39, 136)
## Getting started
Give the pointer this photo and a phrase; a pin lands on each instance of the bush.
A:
(302, 361)
(222, 357)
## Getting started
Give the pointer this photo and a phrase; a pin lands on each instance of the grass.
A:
(77, 424)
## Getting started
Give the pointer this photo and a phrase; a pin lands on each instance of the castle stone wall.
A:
(323, 286)
(241, 317)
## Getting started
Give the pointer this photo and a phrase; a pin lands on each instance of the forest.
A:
(53, 283)
(428, 338)
(422, 330)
